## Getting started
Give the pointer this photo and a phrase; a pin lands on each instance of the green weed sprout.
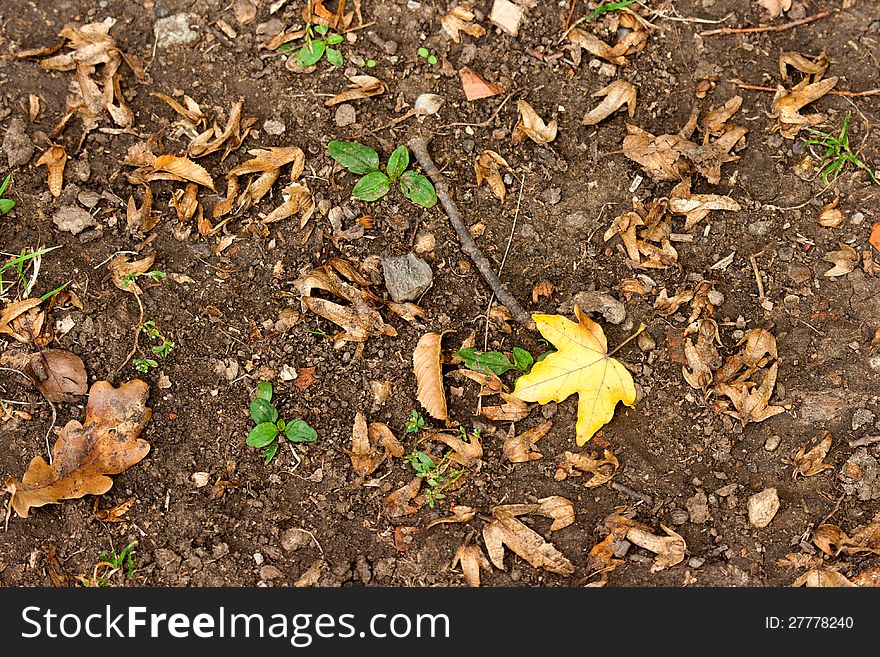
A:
(270, 427)
(837, 153)
(6, 204)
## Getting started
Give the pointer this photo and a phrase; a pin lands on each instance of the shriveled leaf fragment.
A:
(489, 382)
(632, 42)
(752, 401)
(532, 126)
(832, 540)
(555, 507)
(715, 120)
(488, 167)
(55, 158)
(581, 365)
(370, 446)
(822, 577)
(84, 454)
(471, 560)
(466, 452)
(670, 549)
(475, 86)
(831, 215)
(663, 157)
(695, 207)
(574, 464)
(12, 312)
(525, 542)
(60, 375)
(361, 86)
(703, 358)
(181, 168)
(272, 159)
(775, 7)
(811, 66)
(229, 138)
(141, 218)
(787, 105)
(429, 375)
(617, 94)
(520, 448)
(124, 271)
(116, 513)
(461, 19)
(809, 463)
(398, 503)
(844, 260)
(460, 513)
(512, 410)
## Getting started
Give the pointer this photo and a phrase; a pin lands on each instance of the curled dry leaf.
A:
(467, 453)
(475, 86)
(715, 121)
(697, 206)
(460, 513)
(397, 504)
(192, 113)
(55, 158)
(429, 376)
(487, 169)
(832, 540)
(230, 138)
(775, 7)
(171, 167)
(116, 513)
(617, 94)
(513, 409)
(809, 463)
(531, 126)
(752, 402)
(84, 454)
(141, 218)
(670, 549)
(573, 465)
(370, 446)
(831, 215)
(632, 42)
(124, 271)
(461, 19)
(557, 508)
(844, 260)
(822, 577)
(703, 358)
(543, 288)
(645, 232)
(489, 382)
(519, 448)
(815, 67)
(362, 86)
(525, 542)
(788, 103)
(471, 560)
(59, 375)
(272, 159)
(12, 312)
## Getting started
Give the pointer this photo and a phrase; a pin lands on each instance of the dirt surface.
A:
(683, 464)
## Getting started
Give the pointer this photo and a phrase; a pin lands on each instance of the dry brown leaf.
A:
(525, 542)
(703, 358)
(788, 103)
(181, 168)
(715, 121)
(815, 67)
(12, 312)
(362, 86)
(832, 540)
(752, 402)
(822, 577)
(55, 158)
(670, 549)
(213, 139)
(297, 197)
(870, 577)
(558, 509)
(645, 232)
(461, 19)
(663, 157)
(370, 446)
(59, 375)
(531, 126)
(573, 465)
(668, 306)
(312, 574)
(471, 560)
(489, 382)
(810, 463)
(844, 260)
(512, 410)
(617, 94)
(475, 86)
(487, 168)
(116, 513)
(121, 270)
(775, 7)
(460, 513)
(467, 453)
(398, 503)
(543, 288)
(186, 202)
(192, 113)
(141, 218)
(85, 454)
(831, 215)
(631, 43)
(272, 159)
(429, 376)
(257, 188)
(518, 448)
(697, 206)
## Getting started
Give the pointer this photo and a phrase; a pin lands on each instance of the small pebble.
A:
(274, 127)
(646, 342)
(759, 228)
(345, 115)
(772, 443)
(696, 562)
(785, 253)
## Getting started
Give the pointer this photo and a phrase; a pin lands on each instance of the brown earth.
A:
(683, 464)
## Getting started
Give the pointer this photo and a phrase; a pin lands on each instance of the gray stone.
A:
(345, 115)
(174, 31)
(551, 195)
(294, 539)
(598, 302)
(269, 573)
(406, 277)
(759, 228)
(698, 508)
(772, 443)
(274, 127)
(860, 475)
(73, 219)
(579, 221)
(862, 417)
(17, 145)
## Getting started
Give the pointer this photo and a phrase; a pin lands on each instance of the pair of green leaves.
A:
(375, 184)
(314, 49)
(270, 425)
(496, 361)
(6, 204)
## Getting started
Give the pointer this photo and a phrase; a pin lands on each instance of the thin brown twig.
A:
(419, 147)
(753, 259)
(868, 92)
(570, 13)
(767, 28)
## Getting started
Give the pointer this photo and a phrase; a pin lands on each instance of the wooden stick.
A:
(767, 28)
(869, 92)
(419, 147)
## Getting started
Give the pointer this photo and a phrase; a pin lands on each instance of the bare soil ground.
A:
(683, 464)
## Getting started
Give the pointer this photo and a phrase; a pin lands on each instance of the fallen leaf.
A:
(832, 540)
(874, 238)
(531, 126)
(123, 271)
(810, 463)
(815, 67)
(695, 207)
(12, 312)
(471, 560)
(822, 577)
(524, 542)
(370, 446)
(519, 448)
(750, 401)
(181, 168)
(844, 260)
(870, 577)
(272, 159)
(466, 452)
(775, 7)
(141, 218)
(632, 42)
(461, 19)
(788, 103)
(297, 197)
(557, 508)
(404, 537)
(489, 382)
(55, 158)
(362, 86)
(715, 120)
(398, 503)
(59, 578)
(603, 469)
(59, 375)
(617, 94)
(512, 410)
(831, 215)
(670, 549)
(312, 575)
(305, 378)
(702, 358)
(429, 376)
(192, 113)
(230, 138)
(85, 454)
(475, 86)
(645, 232)
(460, 513)
(663, 157)
(116, 513)
(487, 168)
(580, 365)
(543, 288)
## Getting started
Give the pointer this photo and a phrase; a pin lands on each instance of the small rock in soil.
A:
(345, 115)
(646, 342)
(698, 508)
(88, 199)
(17, 145)
(270, 28)
(551, 195)
(785, 253)
(597, 302)
(269, 573)
(679, 517)
(406, 277)
(763, 507)
(73, 219)
(862, 417)
(173, 31)
(860, 475)
(295, 539)
(759, 228)
(772, 443)
(274, 127)
(579, 221)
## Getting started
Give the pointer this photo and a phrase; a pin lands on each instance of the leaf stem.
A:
(642, 327)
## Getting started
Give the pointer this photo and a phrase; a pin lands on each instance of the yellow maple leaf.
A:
(580, 365)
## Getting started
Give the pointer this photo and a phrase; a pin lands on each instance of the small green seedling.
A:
(416, 423)
(437, 474)
(110, 564)
(270, 427)
(609, 6)
(425, 54)
(374, 184)
(18, 265)
(837, 153)
(314, 48)
(162, 349)
(496, 361)
(6, 204)
(371, 63)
